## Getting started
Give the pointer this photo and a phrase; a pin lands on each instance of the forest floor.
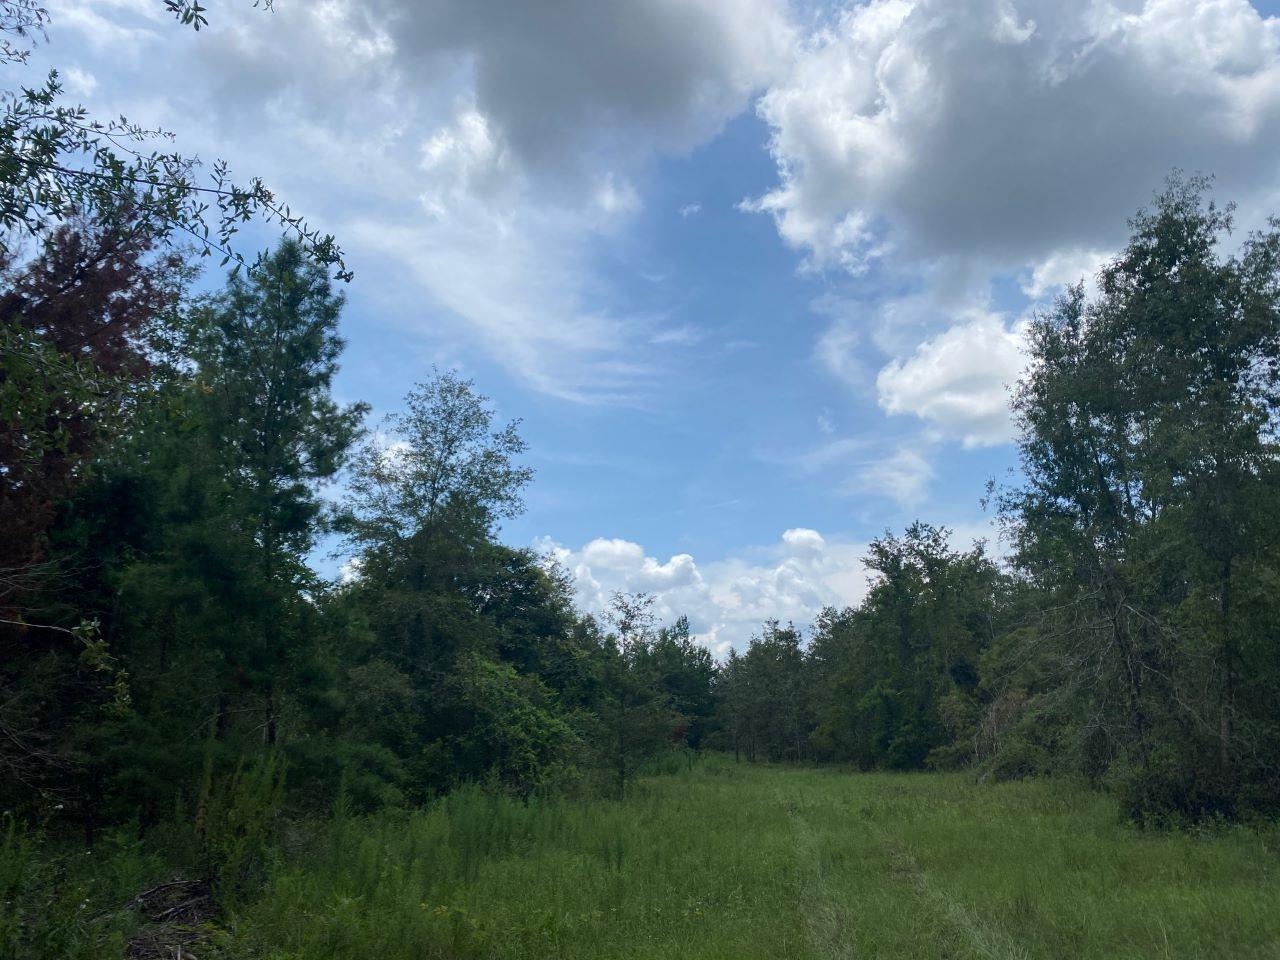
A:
(740, 861)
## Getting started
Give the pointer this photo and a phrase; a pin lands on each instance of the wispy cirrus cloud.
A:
(492, 153)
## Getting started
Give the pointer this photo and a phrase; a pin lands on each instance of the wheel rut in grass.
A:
(829, 920)
(829, 841)
(978, 937)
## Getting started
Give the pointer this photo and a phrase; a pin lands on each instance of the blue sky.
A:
(751, 272)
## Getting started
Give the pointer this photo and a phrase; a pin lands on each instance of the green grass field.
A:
(736, 861)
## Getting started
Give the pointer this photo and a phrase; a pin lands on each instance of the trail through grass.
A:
(736, 861)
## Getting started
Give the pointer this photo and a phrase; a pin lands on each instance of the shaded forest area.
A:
(171, 663)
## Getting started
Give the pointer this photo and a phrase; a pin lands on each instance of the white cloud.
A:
(1061, 268)
(79, 83)
(613, 554)
(1007, 130)
(578, 76)
(902, 476)
(689, 209)
(959, 381)
(464, 162)
(895, 323)
(952, 360)
(837, 350)
(803, 542)
(867, 465)
(121, 27)
(726, 600)
(522, 290)
(476, 162)
(351, 571)
(616, 196)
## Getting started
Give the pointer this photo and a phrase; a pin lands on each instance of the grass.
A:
(58, 899)
(715, 861)
(736, 861)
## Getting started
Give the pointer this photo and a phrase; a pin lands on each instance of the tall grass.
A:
(710, 860)
(731, 861)
(58, 899)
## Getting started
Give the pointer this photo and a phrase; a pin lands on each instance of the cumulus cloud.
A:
(480, 158)
(558, 78)
(894, 323)
(959, 381)
(726, 600)
(803, 542)
(953, 145)
(1010, 129)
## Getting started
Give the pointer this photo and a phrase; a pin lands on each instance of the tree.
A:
(896, 681)
(210, 590)
(451, 611)
(76, 322)
(75, 326)
(266, 351)
(764, 696)
(423, 499)
(685, 671)
(1149, 448)
(441, 459)
(636, 714)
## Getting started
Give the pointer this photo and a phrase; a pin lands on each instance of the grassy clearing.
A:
(727, 861)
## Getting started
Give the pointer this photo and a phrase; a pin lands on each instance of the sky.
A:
(753, 274)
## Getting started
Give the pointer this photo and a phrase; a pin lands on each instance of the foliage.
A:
(58, 902)
(56, 160)
(167, 648)
(765, 697)
(637, 716)
(894, 683)
(439, 462)
(235, 822)
(75, 321)
(1148, 511)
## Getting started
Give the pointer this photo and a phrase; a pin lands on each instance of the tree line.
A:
(169, 462)
(1131, 636)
